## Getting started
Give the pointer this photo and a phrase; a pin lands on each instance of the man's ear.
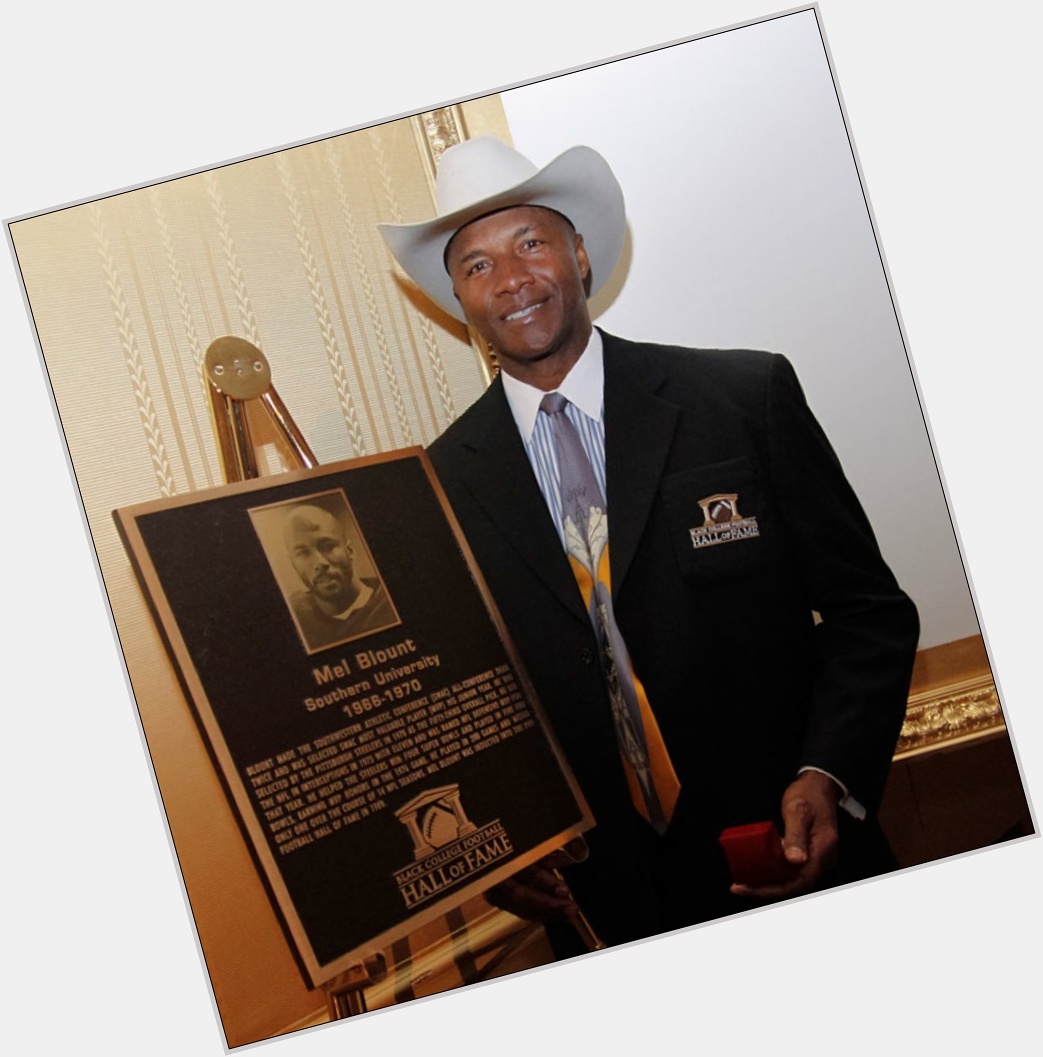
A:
(581, 257)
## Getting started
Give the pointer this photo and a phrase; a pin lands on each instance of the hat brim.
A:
(578, 184)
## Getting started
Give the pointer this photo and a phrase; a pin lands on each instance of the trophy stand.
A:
(345, 993)
(578, 920)
(237, 372)
(576, 851)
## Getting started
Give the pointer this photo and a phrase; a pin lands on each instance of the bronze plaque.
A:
(365, 709)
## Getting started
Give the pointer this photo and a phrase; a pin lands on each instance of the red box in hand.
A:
(755, 854)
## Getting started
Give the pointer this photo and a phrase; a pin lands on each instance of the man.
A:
(734, 649)
(336, 604)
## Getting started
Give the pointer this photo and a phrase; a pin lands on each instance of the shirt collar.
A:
(363, 597)
(583, 386)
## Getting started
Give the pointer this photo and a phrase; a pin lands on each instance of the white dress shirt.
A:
(584, 388)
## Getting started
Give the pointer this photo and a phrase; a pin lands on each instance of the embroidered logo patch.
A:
(722, 522)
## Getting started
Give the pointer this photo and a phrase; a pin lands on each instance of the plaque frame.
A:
(315, 970)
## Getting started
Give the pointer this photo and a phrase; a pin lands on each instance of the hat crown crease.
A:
(485, 169)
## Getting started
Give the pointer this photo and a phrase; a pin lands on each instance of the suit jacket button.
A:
(586, 655)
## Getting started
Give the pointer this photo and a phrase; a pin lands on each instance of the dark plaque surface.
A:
(391, 773)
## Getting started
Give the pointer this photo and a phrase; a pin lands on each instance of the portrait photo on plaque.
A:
(332, 588)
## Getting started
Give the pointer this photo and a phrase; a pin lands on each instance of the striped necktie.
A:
(650, 775)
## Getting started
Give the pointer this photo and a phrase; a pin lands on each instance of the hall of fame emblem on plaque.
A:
(448, 848)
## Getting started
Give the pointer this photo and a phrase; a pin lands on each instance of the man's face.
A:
(519, 276)
(322, 556)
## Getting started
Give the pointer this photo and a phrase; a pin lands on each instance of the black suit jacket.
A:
(745, 684)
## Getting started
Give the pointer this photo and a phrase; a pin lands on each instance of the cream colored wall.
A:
(748, 228)
(127, 293)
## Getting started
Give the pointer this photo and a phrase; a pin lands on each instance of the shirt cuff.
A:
(847, 801)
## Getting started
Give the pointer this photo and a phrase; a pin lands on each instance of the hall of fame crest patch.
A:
(448, 848)
(722, 522)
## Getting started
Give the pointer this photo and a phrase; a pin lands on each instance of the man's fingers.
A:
(531, 901)
(568, 854)
(542, 878)
(797, 819)
(810, 841)
(809, 819)
(798, 886)
(537, 893)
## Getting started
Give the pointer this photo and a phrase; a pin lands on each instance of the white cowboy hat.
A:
(482, 175)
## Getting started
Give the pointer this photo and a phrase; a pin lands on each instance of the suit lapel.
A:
(497, 473)
(639, 427)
